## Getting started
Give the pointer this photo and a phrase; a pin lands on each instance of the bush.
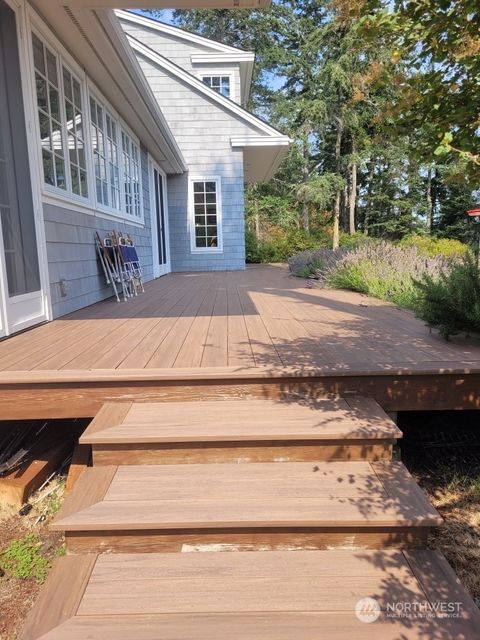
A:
(435, 246)
(315, 263)
(280, 245)
(452, 301)
(385, 271)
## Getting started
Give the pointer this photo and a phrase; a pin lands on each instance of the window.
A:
(131, 175)
(220, 84)
(97, 115)
(49, 114)
(84, 145)
(75, 133)
(206, 214)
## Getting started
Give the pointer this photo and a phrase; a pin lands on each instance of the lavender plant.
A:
(387, 271)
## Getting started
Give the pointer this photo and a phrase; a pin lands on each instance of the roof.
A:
(263, 150)
(219, 52)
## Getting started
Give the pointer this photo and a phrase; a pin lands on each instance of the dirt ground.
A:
(442, 451)
(17, 595)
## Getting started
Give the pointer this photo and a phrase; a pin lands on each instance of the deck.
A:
(259, 332)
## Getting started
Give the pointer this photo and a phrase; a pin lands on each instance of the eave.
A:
(162, 4)
(97, 42)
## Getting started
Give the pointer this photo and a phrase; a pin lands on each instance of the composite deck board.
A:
(252, 420)
(279, 595)
(260, 317)
(265, 495)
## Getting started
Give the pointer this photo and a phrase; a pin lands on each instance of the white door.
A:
(22, 302)
(159, 209)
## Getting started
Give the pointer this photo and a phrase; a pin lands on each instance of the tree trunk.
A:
(353, 191)
(336, 209)
(429, 220)
(368, 199)
(305, 177)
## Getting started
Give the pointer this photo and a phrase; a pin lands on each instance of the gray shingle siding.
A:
(72, 254)
(203, 130)
(180, 51)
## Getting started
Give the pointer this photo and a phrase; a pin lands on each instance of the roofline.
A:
(200, 86)
(157, 25)
(112, 26)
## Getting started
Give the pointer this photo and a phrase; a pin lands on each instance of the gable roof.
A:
(264, 148)
(218, 52)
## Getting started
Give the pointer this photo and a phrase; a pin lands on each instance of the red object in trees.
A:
(473, 212)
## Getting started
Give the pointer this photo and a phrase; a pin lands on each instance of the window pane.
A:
(38, 54)
(210, 187)
(41, 86)
(60, 172)
(198, 187)
(48, 173)
(54, 103)
(67, 84)
(52, 68)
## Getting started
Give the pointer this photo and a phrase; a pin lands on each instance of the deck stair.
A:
(239, 431)
(245, 506)
(278, 596)
(317, 516)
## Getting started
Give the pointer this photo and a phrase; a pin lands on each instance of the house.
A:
(118, 122)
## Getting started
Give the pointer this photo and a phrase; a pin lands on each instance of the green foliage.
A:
(451, 302)
(386, 271)
(23, 559)
(387, 88)
(280, 244)
(432, 246)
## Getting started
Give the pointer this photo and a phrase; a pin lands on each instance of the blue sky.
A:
(167, 14)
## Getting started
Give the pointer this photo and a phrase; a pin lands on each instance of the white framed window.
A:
(89, 156)
(219, 83)
(75, 124)
(49, 108)
(131, 175)
(205, 206)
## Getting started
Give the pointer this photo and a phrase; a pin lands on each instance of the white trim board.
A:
(199, 86)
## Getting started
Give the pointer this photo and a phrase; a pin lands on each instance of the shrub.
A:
(435, 246)
(23, 559)
(452, 301)
(280, 245)
(385, 271)
(315, 263)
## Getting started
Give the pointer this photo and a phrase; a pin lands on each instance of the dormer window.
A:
(220, 84)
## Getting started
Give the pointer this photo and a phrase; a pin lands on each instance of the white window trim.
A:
(57, 196)
(219, 73)
(191, 214)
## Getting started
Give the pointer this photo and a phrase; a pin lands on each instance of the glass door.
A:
(161, 249)
(22, 297)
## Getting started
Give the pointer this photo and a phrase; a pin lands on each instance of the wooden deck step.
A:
(241, 431)
(279, 596)
(249, 506)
